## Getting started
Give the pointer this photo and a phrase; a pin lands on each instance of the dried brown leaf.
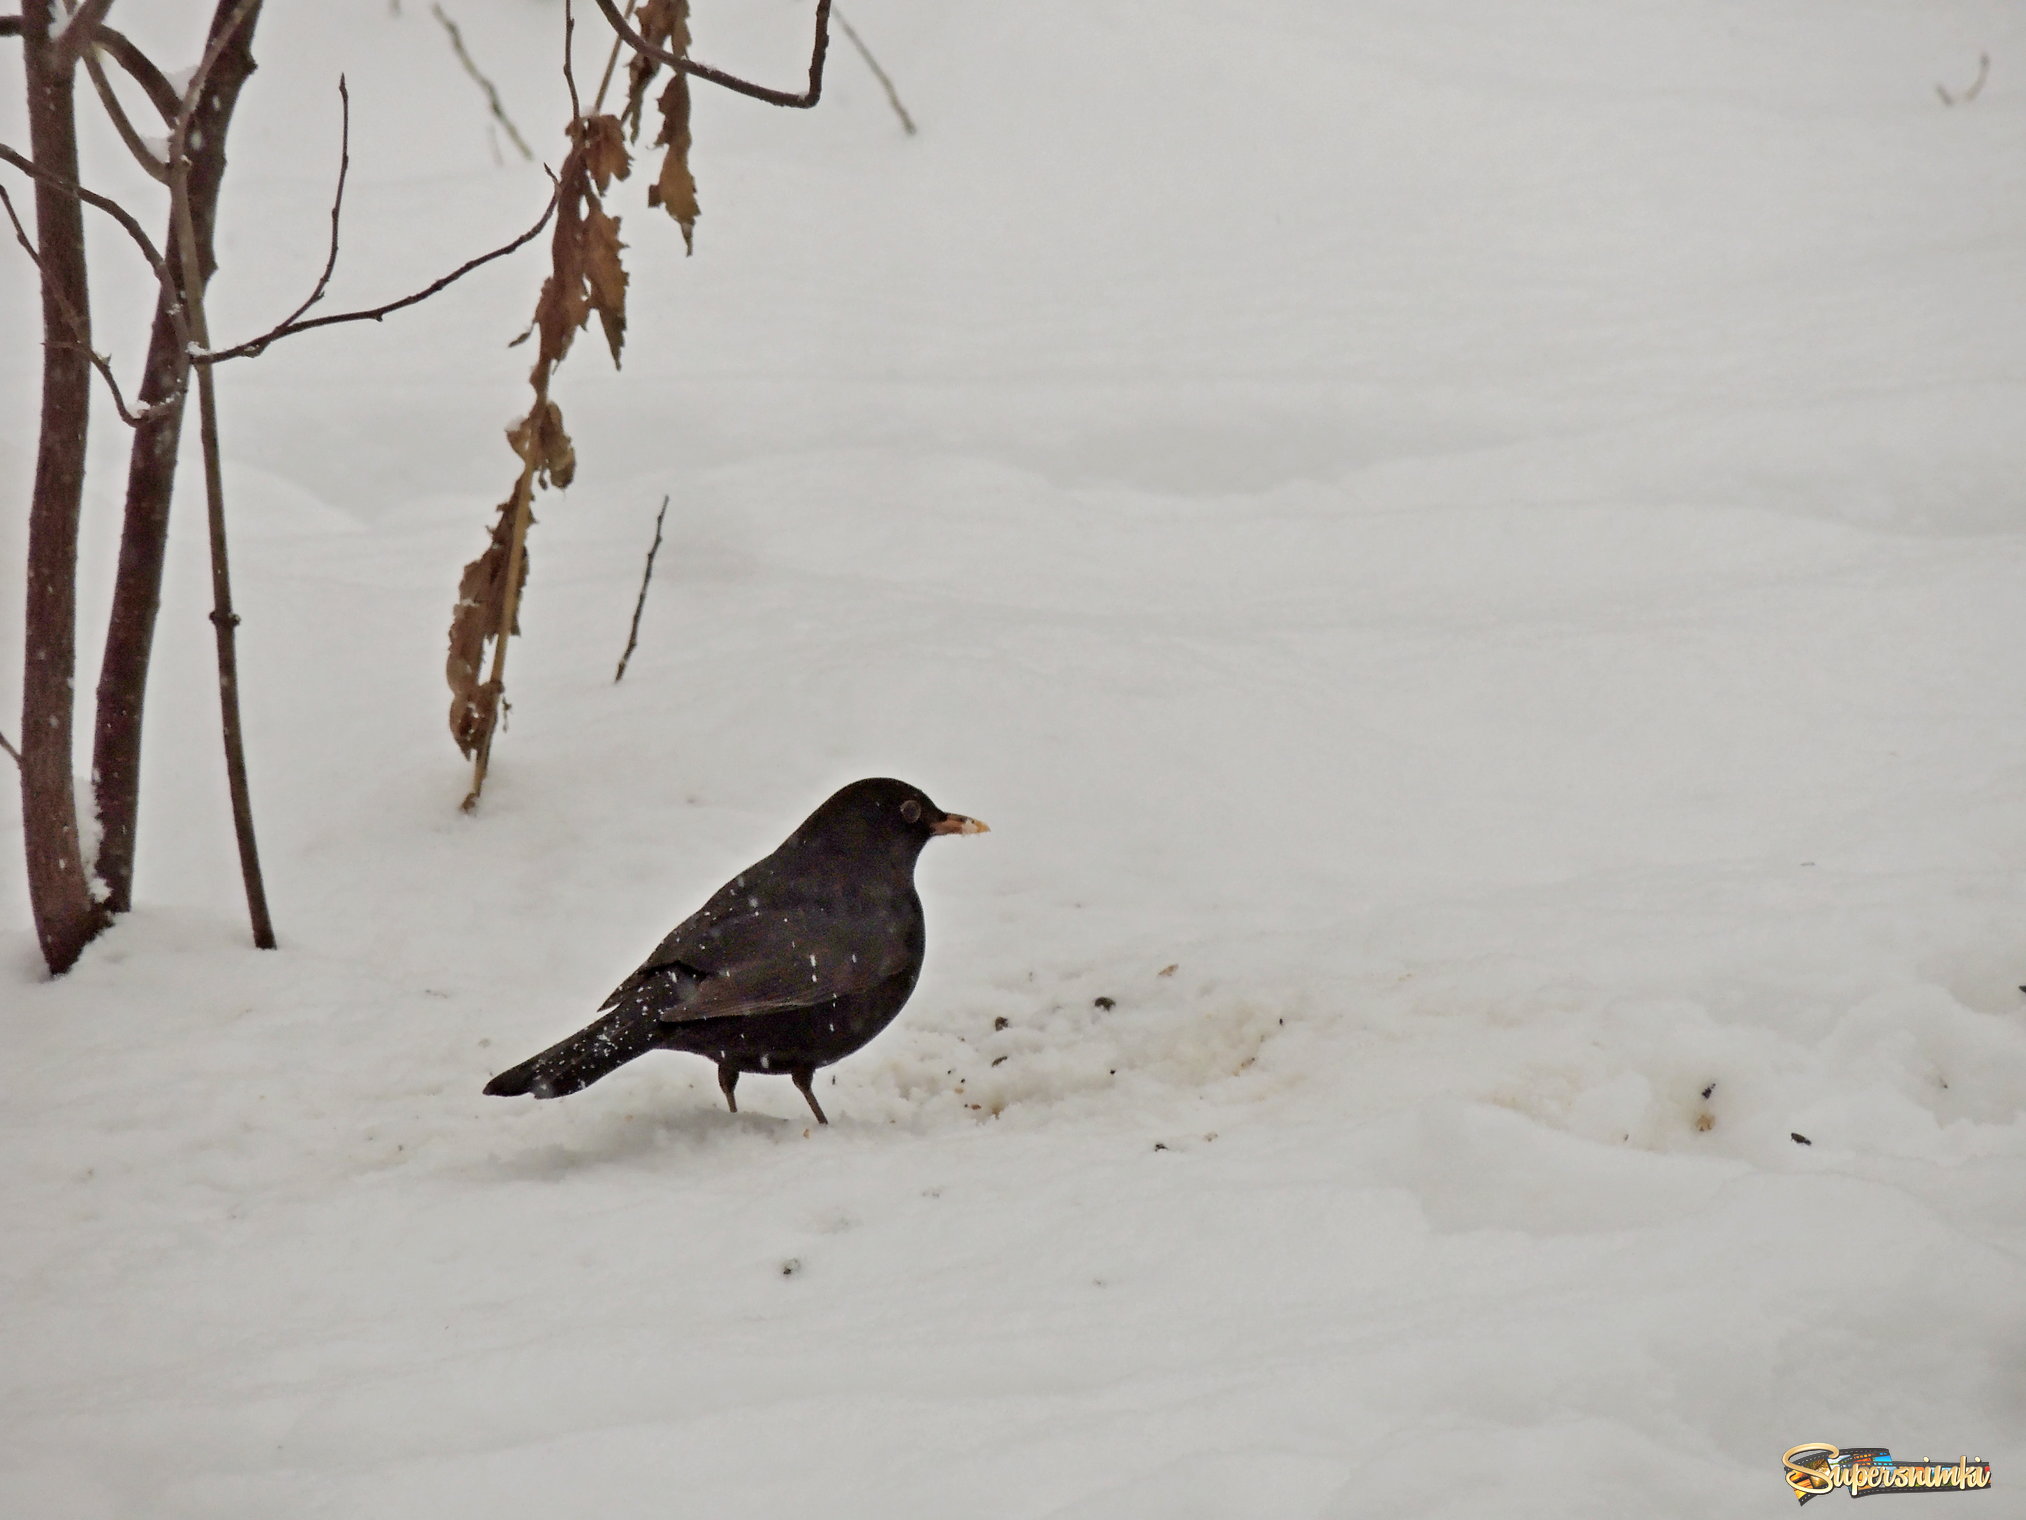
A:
(665, 24)
(603, 146)
(472, 714)
(674, 189)
(543, 446)
(474, 623)
(605, 275)
(563, 305)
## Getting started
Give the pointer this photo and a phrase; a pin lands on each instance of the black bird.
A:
(795, 962)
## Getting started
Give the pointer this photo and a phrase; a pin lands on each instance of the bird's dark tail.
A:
(577, 1062)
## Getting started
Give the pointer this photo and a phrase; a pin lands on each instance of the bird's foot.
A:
(802, 1078)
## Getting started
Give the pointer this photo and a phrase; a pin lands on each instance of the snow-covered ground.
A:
(1486, 537)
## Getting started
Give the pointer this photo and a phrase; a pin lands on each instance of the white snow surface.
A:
(1488, 538)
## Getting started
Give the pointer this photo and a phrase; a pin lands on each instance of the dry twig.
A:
(4, 744)
(907, 122)
(492, 99)
(337, 206)
(633, 633)
(289, 329)
(611, 63)
(111, 208)
(686, 65)
(99, 361)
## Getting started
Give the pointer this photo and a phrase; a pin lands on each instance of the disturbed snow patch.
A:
(1034, 1043)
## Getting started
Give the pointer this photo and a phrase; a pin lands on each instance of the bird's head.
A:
(879, 815)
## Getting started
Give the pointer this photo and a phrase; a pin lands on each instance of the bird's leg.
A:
(803, 1076)
(728, 1078)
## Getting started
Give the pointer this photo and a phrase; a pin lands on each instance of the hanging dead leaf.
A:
(674, 190)
(543, 446)
(605, 275)
(563, 305)
(604, 148)
(474, 622)
(665, 24)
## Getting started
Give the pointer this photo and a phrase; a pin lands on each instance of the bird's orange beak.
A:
(957, 823)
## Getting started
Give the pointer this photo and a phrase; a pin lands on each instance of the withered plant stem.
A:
(224, 620)
(524, 487)
(640, 602)
(517, 538)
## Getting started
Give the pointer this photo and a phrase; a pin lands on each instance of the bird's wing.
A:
(734, 957)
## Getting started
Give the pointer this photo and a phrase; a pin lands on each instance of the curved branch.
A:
(99, 361)
(142, 69)
(732, 82)
(337, 204)
(142, 153)
(288, 329)
(111, 208)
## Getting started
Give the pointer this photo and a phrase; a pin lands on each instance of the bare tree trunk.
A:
(137, 595)
(151, 480)
(66, 915)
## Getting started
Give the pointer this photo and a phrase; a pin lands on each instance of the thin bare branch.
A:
(161, 94)
(111, 208)
(569, 67)
(732, 82)
(633, 633)
(119, 214)
(611, 63)
(337, 203)
(289, 329)
(99, 361)
(491, 95)
(10, 26)
(143, 155)
(907, 122)
(3, 738)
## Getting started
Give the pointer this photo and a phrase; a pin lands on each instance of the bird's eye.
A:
(911, 810)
